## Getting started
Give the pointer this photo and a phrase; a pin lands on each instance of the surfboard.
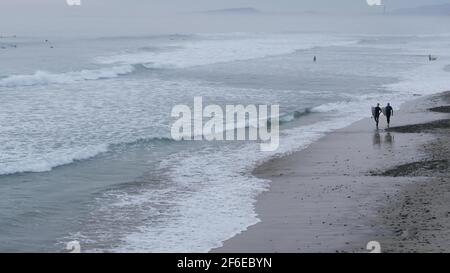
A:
(384, 111)
(373, 111)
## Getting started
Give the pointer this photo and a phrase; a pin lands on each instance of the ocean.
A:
(86, 152)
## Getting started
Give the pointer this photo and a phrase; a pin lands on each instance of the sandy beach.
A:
(358, 185)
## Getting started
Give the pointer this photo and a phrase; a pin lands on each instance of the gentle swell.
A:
(44, 77)
(295, 115)
(63, 157)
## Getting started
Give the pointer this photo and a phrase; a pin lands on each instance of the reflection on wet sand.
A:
(378, 140)
(389, 139)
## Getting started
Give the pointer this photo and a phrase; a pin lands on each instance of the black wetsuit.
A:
(377, 114)
(389, 114)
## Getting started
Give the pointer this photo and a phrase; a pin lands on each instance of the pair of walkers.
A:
(388, 111)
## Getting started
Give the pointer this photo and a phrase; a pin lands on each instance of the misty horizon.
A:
(111, 18)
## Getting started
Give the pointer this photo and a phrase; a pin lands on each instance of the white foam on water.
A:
(426, 79)
(219, 198)
(44, 77)
(223, 48)
(46, 162)
(214, 49)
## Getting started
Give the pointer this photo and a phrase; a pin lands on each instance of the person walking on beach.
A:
(389, 113)
(376, 114)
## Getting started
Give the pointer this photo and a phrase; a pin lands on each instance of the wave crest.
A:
(44, 77)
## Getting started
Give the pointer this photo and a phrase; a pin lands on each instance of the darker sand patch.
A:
(429, 127)
(441, 109)
(422, 168)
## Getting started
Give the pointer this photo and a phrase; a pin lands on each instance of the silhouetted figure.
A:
(389, 113)
(315, 59)
(376, 114)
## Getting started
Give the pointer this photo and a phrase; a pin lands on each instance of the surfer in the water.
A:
(376, 114)
(315, 59)
(389, 113)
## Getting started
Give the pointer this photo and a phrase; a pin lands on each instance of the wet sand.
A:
(358, 185)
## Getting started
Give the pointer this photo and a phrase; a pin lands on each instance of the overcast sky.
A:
(154, 16)
(194, 5)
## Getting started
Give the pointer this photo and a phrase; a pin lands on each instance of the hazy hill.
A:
(232, 11)
(443, 10)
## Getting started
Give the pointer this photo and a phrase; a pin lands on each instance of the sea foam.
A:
(44, 77)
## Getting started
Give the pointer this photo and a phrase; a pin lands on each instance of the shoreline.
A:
(335, 197)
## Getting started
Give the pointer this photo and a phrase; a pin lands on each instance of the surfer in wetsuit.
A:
(389, 113)
(376, 114)
(315, 59)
